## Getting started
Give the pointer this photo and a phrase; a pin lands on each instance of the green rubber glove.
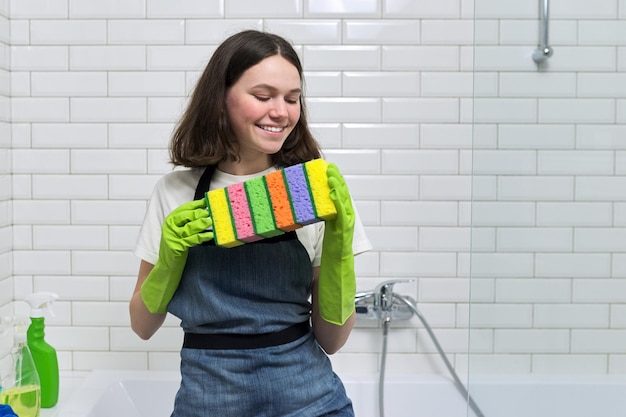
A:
(337, 282)
(182, 228)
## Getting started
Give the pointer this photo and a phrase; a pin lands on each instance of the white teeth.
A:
(272, 129)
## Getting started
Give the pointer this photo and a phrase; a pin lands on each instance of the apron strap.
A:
(245, 341)
(204, 182)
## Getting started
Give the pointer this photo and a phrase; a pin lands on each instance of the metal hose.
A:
(383, 365)
(457, 381)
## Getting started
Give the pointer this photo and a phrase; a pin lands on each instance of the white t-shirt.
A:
(178, 187)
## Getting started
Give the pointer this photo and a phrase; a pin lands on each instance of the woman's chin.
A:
(272, 148)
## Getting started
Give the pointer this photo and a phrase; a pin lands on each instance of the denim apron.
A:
(248, 350)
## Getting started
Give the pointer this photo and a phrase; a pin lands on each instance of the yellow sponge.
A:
(219, 210)
(318, 185)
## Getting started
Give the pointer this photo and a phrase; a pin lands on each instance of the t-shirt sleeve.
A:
(170, 191)
(147, 247)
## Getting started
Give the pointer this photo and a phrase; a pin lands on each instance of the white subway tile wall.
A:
(498, 186)
(6, 225)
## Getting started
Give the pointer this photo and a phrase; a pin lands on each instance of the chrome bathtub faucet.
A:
(380, 304)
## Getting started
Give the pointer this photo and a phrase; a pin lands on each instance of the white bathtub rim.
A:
(362, 385)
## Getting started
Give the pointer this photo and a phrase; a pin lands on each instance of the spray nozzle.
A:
(20, 332)
(40, 302)
(18, 324)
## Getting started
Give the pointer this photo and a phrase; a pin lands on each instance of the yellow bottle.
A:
(24, 400)
(23, 392)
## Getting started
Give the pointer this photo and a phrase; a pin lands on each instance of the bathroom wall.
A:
(6, 288)
(97, 85)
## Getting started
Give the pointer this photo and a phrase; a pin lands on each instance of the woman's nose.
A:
(279, 109)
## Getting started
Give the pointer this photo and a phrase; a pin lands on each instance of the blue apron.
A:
(248, 348)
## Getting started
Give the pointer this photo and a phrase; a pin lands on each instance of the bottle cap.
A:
(40, 302)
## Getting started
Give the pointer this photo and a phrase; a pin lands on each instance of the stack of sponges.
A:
(267, 206)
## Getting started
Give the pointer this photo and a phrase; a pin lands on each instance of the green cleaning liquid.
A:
(24, 400)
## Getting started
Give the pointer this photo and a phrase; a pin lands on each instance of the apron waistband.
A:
(245, 341)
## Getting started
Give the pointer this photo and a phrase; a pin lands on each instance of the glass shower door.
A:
(547, 264)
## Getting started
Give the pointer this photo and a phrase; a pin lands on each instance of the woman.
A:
(259, 319)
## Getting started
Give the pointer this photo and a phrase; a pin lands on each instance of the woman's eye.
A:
(289, 100)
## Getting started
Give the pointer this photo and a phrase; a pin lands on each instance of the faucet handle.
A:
(387, 286)
(384, 293)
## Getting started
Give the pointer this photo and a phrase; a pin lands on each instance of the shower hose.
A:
(386, 320)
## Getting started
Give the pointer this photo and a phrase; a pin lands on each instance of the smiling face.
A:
(263, 108)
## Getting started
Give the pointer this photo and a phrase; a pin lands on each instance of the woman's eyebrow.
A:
(272, 88)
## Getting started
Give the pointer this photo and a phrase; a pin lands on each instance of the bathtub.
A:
(151, 394)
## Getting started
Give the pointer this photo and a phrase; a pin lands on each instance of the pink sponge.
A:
(244, 229)
(267, 206)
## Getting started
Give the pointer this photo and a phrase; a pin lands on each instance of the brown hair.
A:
(203, 135)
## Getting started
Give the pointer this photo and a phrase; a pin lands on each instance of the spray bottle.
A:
(44, 355)
(21, 391)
